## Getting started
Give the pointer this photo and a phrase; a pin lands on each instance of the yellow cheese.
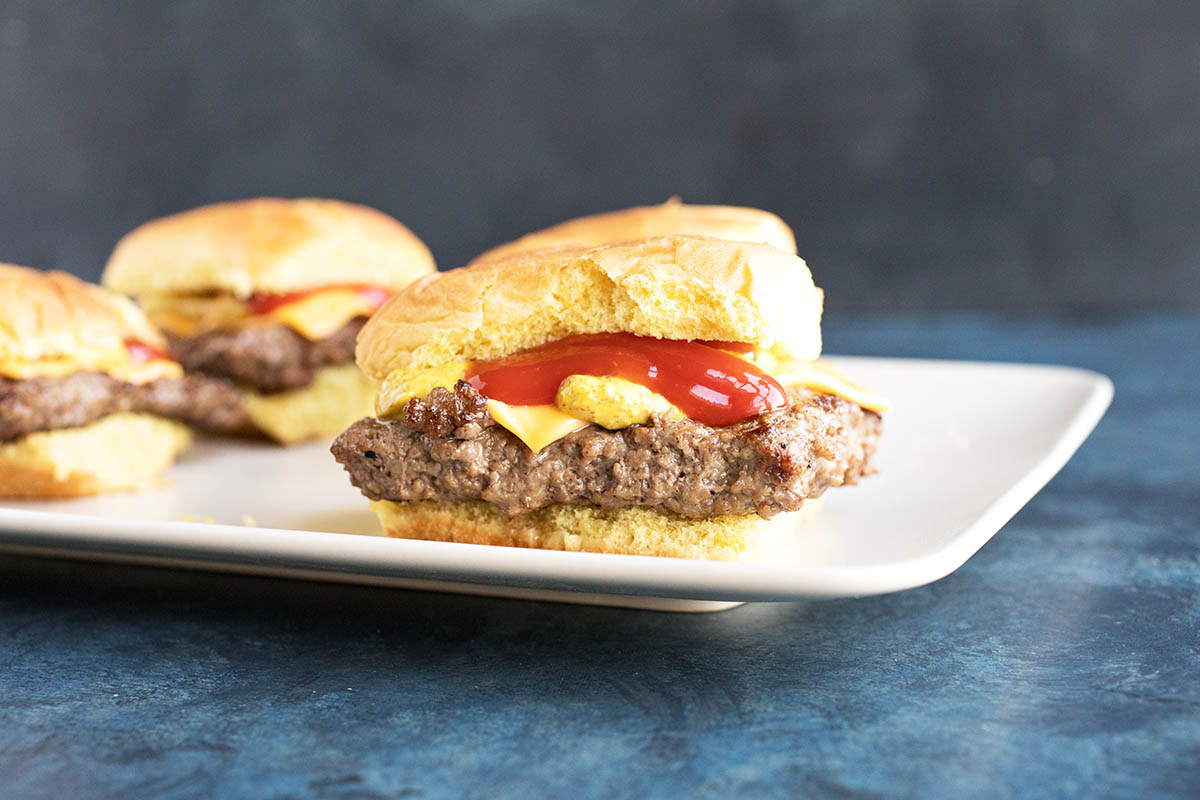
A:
(146, 371)
(119, 366)
(821, 376)
(46, 367)
(322, 314)
(536, 426)
(314, 316)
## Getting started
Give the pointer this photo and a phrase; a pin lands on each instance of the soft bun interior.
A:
(675, 287)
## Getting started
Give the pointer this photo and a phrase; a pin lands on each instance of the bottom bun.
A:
(631, 531)
(337, 397)
(117, 453)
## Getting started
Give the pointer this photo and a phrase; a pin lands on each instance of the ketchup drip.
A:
(266, 302)
(702, 381)
(140, 352)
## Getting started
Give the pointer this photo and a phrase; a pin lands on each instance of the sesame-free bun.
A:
(648, 222)
(117, 453)
(52, 323)
(629, 531)
(674, 287)
(267, 245)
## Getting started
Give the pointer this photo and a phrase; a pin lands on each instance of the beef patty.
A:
(447, 447)
(271, 359)
(48, 403)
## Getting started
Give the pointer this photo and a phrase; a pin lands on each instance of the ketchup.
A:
(140, 352)
(741, 348)
(266, 302)
(702, 381)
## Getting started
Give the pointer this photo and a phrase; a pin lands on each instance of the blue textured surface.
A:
(1062, 660)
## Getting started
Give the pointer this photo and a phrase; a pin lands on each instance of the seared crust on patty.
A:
(270, 359)
(73, 401)
(449, 449)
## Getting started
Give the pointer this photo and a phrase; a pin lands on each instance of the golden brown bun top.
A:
(674, 287)
(267, 245)
(53, 316)
(672, 218)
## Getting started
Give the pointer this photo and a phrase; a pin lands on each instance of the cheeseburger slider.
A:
(672, 218)
(659, 397)
(261, 301)
(77, 365)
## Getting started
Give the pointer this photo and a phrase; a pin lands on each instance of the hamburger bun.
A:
(629, 531)
(116, 453)
(267, 245)
(52, 323)
(674, 287)
(649, 222)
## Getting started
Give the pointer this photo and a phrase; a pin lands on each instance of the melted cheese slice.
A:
(322, 314)
(146, 371)
(46, 367)
(821, 376)
(536, 426)
(314, 316)
(125, 369)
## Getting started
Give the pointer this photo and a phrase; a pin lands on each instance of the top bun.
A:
(674, 287)
(54, 323)
(267, 245)
(647, 222)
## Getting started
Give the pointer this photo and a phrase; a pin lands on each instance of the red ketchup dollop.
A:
(709, 385)
(141, 353)
(266, 302)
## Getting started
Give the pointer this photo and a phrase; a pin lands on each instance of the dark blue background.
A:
(930, 153)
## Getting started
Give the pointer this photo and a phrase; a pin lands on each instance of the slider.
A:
(78, 367)
(661, 397)
(261, 301)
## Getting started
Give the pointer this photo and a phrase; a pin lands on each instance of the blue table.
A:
(1062, 660)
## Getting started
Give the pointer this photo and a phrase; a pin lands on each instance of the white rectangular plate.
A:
(966, 445)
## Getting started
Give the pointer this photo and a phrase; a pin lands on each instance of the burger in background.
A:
(78, 367)
(261, 301)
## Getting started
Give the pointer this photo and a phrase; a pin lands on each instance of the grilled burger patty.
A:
(270, 359)
(43, 404)
(448, 447)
